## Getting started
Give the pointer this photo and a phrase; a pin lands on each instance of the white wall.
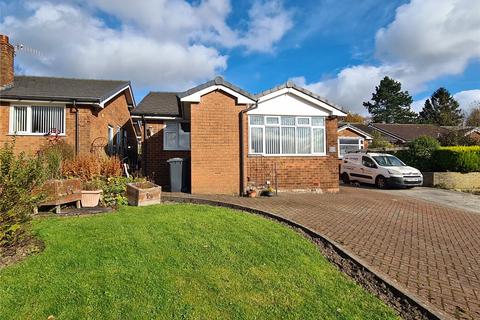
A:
(289, 104)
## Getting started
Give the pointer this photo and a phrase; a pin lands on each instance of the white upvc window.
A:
(176, 136)
(37, 120)
(349, 144)
(272, 135)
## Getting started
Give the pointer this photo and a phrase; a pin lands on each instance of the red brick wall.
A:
(154, 158)
(215, 144)
(296, 173)
(475, 136)
(93, 124)
(352, 134)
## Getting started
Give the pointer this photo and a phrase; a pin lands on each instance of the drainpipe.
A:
(144, 154)
(77, 135)
(242, 149)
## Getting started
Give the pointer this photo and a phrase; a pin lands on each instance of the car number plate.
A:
(412, 179)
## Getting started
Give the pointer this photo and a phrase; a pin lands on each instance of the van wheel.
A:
(345, 178)
(381, 182)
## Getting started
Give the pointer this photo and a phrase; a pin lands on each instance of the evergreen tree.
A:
(441, 109)
(473, 119)
(389, 104)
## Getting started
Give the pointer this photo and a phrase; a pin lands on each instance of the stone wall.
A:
(452, 180)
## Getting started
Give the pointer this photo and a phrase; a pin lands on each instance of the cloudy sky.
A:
(338, 49)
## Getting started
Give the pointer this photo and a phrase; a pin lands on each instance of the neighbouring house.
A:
(467, 131)
(285, 137)
(90, 115)
(353, 137)
(400, 134)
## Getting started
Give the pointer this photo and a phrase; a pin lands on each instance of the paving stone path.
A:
(430, 250)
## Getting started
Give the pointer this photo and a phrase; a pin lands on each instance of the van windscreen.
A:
(388, 161)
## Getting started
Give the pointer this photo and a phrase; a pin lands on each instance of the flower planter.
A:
(251, 193)
(143, 193)
(62, 191)
(268, 193)
(90, 198)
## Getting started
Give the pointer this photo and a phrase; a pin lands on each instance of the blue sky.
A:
(338, 49)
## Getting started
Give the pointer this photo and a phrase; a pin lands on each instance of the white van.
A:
(381, 169)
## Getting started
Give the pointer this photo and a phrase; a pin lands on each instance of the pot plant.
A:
(269, 192)
(251, 193)
(91, 192)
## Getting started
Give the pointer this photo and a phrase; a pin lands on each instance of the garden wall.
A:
(452, 180)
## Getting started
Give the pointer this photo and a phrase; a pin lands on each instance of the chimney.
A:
(6, 62)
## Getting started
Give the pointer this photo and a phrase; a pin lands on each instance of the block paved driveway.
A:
(430, 250)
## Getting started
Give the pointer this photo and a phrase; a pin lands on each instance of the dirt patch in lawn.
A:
(27, 247)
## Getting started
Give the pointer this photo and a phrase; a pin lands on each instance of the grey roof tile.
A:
(62, 89)
(217, 81)
(159, 104)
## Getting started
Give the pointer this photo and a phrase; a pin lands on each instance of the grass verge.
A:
(179, 262)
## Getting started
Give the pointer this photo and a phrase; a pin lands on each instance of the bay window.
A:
(349, 144)
(37, 120)
(176, 136)
(286, 135)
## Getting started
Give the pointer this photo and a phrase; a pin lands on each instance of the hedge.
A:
(457, 159)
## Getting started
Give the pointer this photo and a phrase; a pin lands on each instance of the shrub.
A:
(91, 166)
(85, 167)
(54, 153)
(457, 159)
(455, 138)
(114, 189)
(19, 177)
(379, 141)
(419, 153)
(111, 167)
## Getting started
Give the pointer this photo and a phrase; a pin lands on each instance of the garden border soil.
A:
(29, 246)
(407, 305)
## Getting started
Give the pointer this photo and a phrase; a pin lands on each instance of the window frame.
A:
(177, 131)
(29, 119)
(361, 144)
(296, 125)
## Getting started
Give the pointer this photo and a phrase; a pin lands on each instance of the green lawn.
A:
(178, 262)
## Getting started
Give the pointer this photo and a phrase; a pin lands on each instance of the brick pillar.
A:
(215, 144)
(7, 53)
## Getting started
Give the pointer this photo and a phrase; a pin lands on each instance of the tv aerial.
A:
(23, 48)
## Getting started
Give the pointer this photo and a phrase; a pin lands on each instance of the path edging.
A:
(427, 310)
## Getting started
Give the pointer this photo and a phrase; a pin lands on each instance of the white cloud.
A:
(269, 21)
(417, 105)
(468, 98)
(162, 44)
(428, 39)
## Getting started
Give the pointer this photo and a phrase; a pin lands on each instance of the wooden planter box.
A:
(62, 192)
(143, 193)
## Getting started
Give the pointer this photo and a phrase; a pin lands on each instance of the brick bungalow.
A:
(90, 115)
(285, 137)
